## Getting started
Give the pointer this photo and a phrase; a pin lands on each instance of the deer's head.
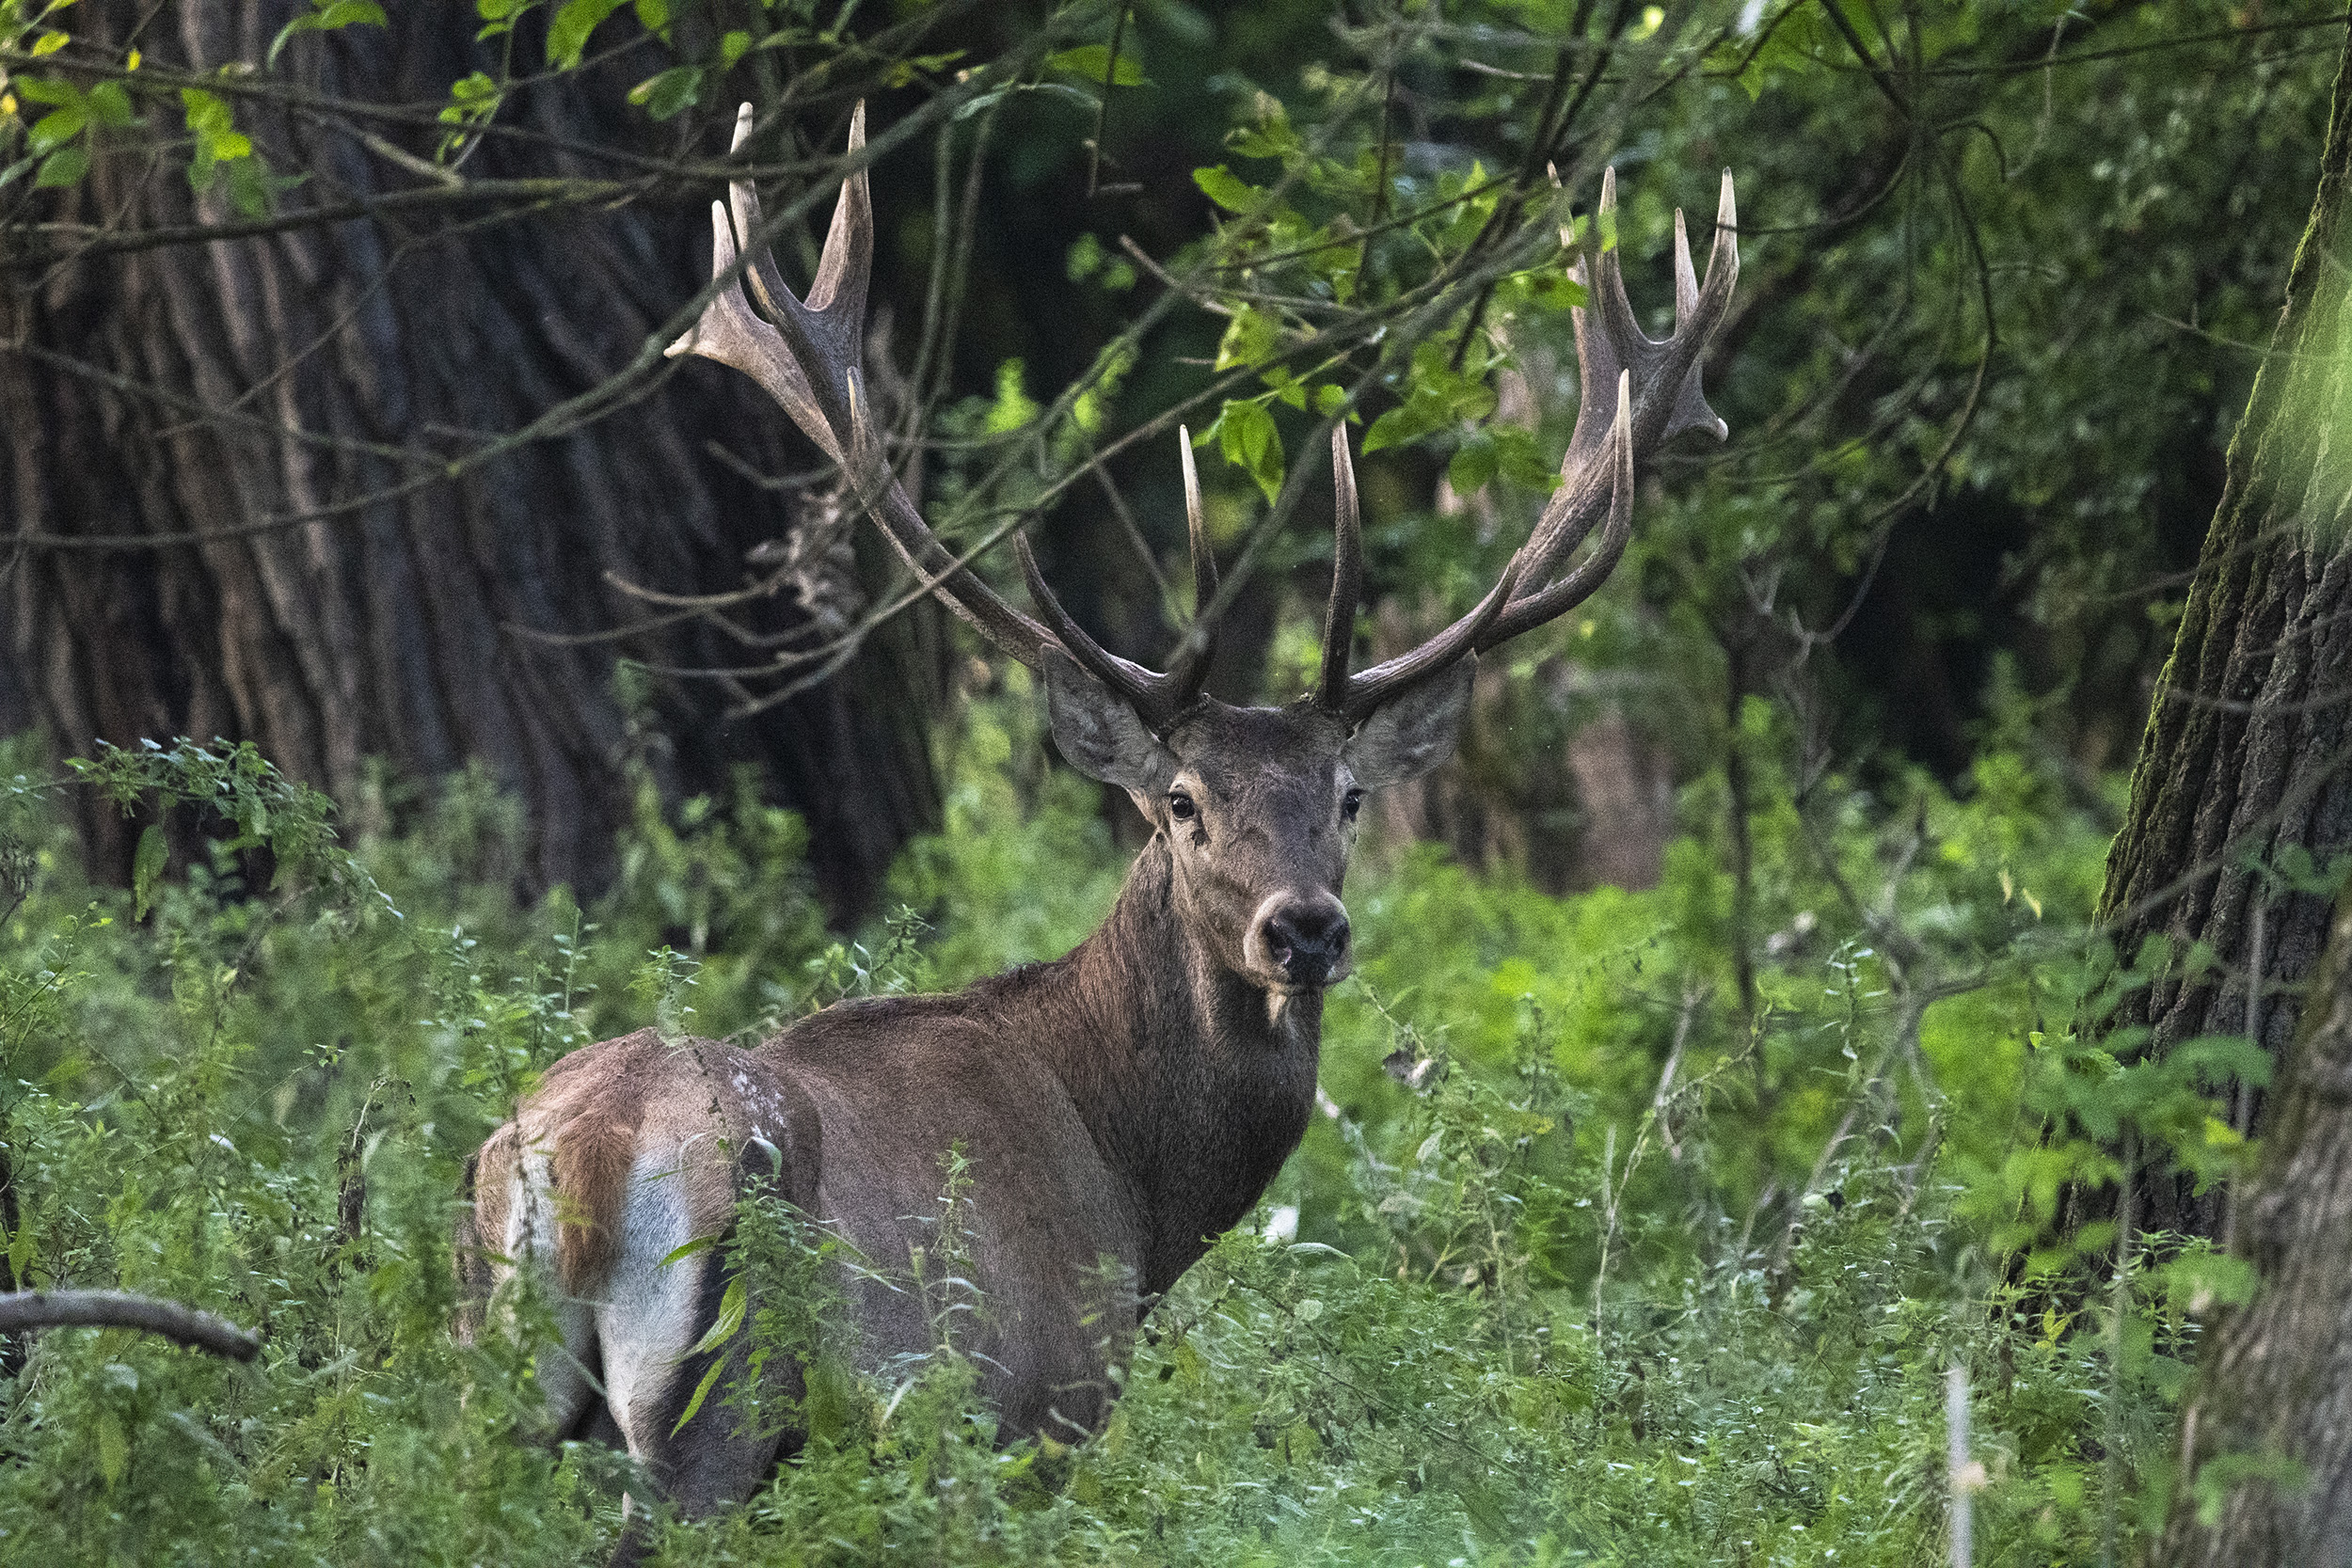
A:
(1258, 805)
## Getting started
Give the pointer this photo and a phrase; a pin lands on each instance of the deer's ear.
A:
(1413, 731)
(1100, 736)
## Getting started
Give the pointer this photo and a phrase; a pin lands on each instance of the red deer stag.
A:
(1126, 1103)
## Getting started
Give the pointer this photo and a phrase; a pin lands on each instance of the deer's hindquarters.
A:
(599, 1179)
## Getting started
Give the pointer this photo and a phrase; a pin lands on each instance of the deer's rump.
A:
(633, 1148)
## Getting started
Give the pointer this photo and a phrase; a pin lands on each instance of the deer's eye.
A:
(1350, 803)
(1180, 805)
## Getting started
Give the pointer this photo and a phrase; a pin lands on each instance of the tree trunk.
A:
(157, 392)
(2246, 749)
(2272, 1402)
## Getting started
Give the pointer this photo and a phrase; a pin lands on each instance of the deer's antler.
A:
(1635, 391)
(810, 358)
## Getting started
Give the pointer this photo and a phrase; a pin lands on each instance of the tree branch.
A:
(23, 1310)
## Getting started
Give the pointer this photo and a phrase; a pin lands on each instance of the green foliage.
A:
(326, 16)
(1636, 1226)
(1093, 62)
(1522, 1297)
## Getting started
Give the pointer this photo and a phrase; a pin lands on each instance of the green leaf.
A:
(1519, 463)
(702, 1391)
(667, 94)
(1013, 408)
(1250, 337)
(1398, 426)
(905, 71)
(55, 129)
(110, 105)
(330, 16)
(252, 188)
(21, 1251)
(207, 115)
(64, 167)
(49, 44)
(352, 14)
(470, 98)
(218, 140)
(1288, 389)
(1247, 435)
(147, 862)
(1547, 288)
(722, 1327)
(567, 35)
(114, 1448)
(981, 103)
(1472, 466)
(682, 1252)
(1273, 140)
(1791, 47)
(1094, 62)
(46, 89)
(1225, 189)
(653, 15)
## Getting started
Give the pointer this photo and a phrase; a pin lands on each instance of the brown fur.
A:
(594, 1151)
(1123, 1105)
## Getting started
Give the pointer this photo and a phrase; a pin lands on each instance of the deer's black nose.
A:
(1308, 938)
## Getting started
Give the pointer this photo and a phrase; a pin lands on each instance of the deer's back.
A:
(854, 1111)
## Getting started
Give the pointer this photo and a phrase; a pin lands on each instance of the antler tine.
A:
(1348, 571)
(728, 332)
(1554, 599)
(846, 265)
(831, 324)
(767, 283)
(1668, 398)
(1196, 528)
(1188, 666)
(1156, 699)
(1666, 401)
(1636, 392)
(1699, 310)
(1368, 690)
(1686, 280)
(1555, 536)
(810, 358)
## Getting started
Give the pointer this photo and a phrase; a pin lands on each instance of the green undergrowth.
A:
(1594, 1252)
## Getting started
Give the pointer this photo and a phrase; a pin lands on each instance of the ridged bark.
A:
(2273, 1395)
(2247, 749)
(398, 630)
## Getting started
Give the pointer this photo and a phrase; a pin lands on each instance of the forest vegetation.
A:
(1854, 974)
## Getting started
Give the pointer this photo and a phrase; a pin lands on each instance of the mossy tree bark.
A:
(199, 388)
(2246, 759)
(2266, 1431)
(2249, 748)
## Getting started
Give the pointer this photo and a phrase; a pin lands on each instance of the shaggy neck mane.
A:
(1195, 1085)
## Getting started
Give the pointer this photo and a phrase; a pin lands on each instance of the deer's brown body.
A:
(1104, 1125)
(1118, 1107)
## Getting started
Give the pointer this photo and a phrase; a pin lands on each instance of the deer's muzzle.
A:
(1301, 938)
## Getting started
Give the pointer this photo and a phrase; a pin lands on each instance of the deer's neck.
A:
(1196, 1085)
